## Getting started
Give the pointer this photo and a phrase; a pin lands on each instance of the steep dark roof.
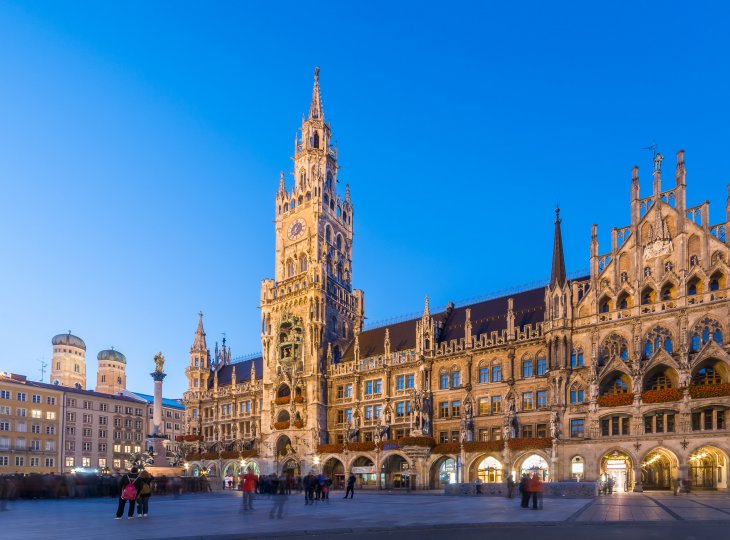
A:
(243, 372)
(486, 317)
(557, 275)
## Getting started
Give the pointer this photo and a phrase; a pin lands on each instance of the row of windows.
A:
(6, 410)
(104, 407)
(21, 426)
(20, 461)
(660, 422)
(22, 444)
(103, 433)
(23, 396)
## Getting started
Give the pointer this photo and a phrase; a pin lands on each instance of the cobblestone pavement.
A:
(369, 515)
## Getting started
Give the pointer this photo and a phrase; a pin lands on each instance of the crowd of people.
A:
(78, 485)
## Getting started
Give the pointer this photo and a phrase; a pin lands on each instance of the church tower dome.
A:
(68, 367)
(111, 376)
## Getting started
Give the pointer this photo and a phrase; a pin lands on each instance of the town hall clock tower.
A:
(309, 312)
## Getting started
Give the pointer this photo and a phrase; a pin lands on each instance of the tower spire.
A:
(315, 109)
(557, 276)
(199, 342)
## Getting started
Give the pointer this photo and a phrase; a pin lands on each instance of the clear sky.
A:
(141, 144)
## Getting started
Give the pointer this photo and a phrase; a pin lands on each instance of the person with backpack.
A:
(145, 491)
(130, 486)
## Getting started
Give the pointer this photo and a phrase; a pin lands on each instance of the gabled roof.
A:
(486, 316)
(243, 372)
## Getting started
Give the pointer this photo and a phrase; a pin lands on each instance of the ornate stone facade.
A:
(622, 373)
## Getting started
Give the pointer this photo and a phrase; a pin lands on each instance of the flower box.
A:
(661, 396)
(194, 456)
(530, 443)
(210, 455)
(388, 444)
(709, 391)
(248, 453)
(281, 425)
(483, 446)
(329, 448)
(229, 454)
(298, 399)
(426, 442)
(615, 400)
(282, 400)
(188, 438)
(298, 424)
(361, 446)
(446, 448)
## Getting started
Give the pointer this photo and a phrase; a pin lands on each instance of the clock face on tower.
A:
(296, 229)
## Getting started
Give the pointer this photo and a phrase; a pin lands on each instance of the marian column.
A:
(156, 439)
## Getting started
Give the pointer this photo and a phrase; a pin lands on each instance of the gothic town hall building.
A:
(623, 373)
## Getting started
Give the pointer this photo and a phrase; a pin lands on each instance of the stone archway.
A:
(443, 471)
(211, 469)
(658, 469)
(488, 468)
(364, 470)
(334, 469)
(395, 473)
(617, 471)
(290, 468)
(707, 468)
(533, 463)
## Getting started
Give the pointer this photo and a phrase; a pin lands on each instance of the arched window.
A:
(576, 393)
(289, 268)
(703, 331)
(617, 385)
(667, 292)
(624, 301)
(496, 372)
(648, 296)
(605, 305)
(330, 181)
(338, 242)
(527, 369)
(332, 204)
(443, 381)
(576, 358)
(326, 200)
(614, 345)
(327, 233)
(455, 378)
(658, 338)
(483, 374)
(339, 271)
(706, 376)
(315, 139)
(717, 281)
(293, 204)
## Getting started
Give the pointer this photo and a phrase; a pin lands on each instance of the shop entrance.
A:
(707, 469)
(490, 470)
(656, 471)
(537, 465)
(443, 472)
(364, 470)
(616, 472)
(395, 473)
(335, 470)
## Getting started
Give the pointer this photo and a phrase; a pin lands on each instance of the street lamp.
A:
(187, 466)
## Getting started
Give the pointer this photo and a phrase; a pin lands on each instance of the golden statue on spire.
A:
(159, 362)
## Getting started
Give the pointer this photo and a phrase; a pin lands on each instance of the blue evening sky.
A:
(141, 144)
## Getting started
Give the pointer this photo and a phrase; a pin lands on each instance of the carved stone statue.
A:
(554, 425)
(159, 362)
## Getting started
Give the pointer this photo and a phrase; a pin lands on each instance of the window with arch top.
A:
(705, 330)
(658, 338)
(576, 358)
(576, 393)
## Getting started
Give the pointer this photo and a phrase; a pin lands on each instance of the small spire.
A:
(426, 310)
(199, 343)
(557, 276)
(282, 187)
(315, 109)
(347, 192)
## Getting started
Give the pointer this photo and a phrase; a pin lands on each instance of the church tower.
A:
(310, 306)
(68, 367)
(197, 373)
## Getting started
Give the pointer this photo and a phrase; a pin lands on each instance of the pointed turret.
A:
(199, 343)
(282, 187)
(315, 108)
(557, 276)
(426, 310)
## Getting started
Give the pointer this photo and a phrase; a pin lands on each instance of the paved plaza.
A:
(372, 515)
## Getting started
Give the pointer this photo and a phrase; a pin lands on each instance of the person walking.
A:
(130, 486)
(249, 488)
(510, 486)
(145, 492)
(537, 489)
(279, 497)
(350, 486)
(309, 486)
(524, 491)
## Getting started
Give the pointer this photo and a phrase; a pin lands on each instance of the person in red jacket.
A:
(249, 488)
(537, 488)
